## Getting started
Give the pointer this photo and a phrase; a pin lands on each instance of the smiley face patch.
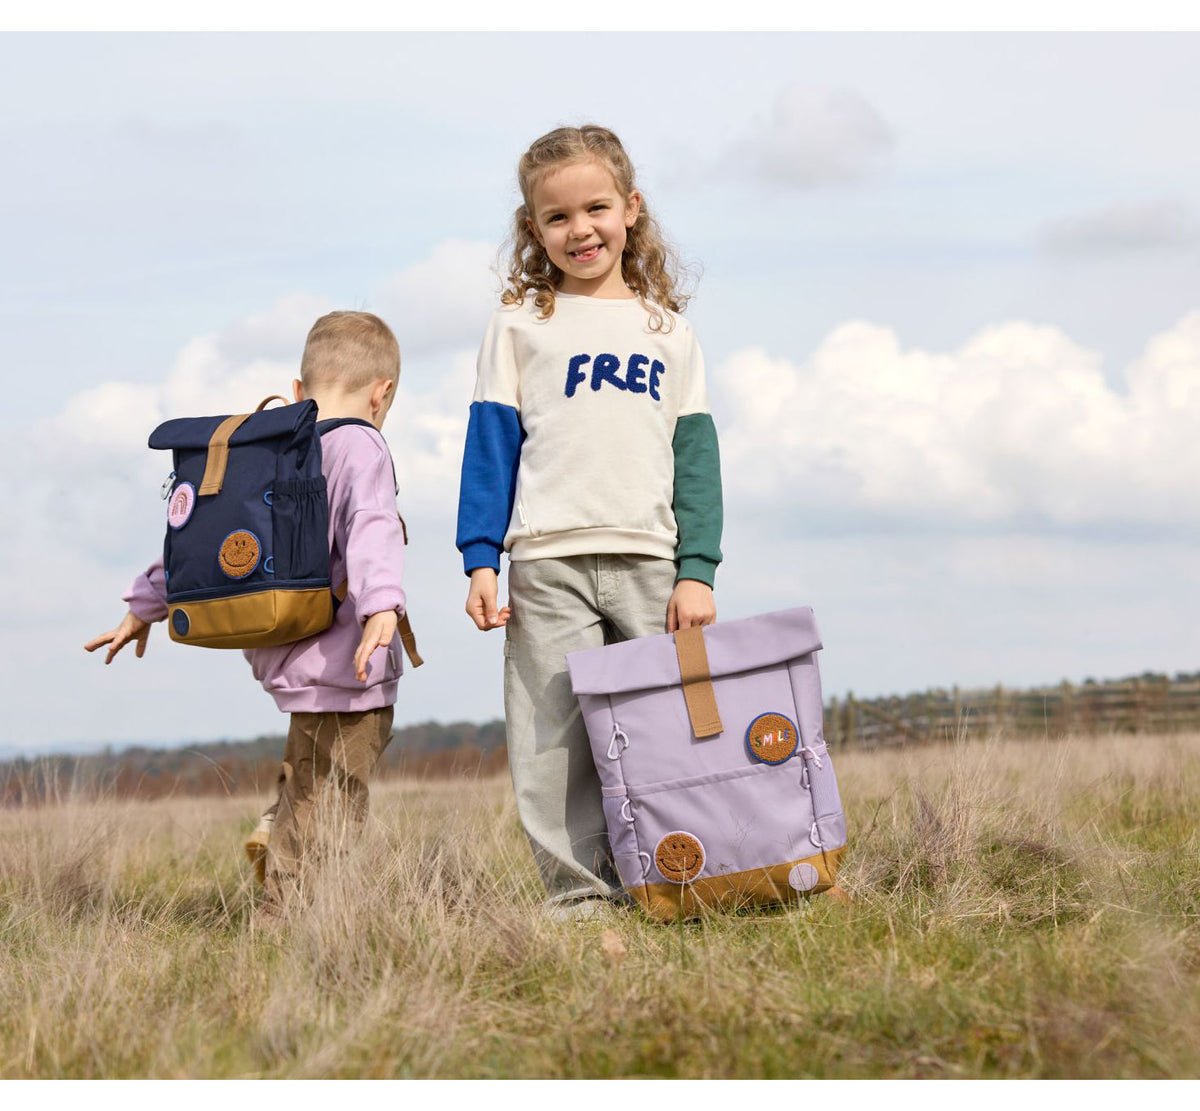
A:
(772, 738)
(239, 554)
(679, 857)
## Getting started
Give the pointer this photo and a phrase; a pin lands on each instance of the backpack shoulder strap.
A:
(409, 641)
(329, 425)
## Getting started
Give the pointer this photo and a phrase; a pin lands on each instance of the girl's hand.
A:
(691, 604)
(132, 627)
(378, 631)
(481, 601)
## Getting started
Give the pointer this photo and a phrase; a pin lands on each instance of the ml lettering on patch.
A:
(637, 374)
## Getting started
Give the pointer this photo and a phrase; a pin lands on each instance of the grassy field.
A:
(1021, 909)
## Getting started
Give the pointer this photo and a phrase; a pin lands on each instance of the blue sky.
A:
(949, 297)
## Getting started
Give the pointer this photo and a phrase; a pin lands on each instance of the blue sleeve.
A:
(489, 483)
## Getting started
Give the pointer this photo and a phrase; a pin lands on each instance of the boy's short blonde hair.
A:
(349, 350)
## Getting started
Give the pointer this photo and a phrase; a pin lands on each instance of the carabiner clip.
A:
(618, 738)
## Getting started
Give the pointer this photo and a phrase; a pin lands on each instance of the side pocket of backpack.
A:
(300, 521)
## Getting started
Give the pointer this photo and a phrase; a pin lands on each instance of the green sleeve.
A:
(697, 499)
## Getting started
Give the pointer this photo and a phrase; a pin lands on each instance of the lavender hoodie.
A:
(366, 546)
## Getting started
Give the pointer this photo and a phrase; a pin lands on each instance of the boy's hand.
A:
(691, 604)
(378, 631)
(132, 627)
(481, 601)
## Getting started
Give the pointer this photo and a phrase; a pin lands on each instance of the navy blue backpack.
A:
(246, 554)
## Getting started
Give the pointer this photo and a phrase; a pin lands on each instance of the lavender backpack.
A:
(718, 789)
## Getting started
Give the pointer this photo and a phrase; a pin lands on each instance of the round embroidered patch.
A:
(772, 738)
(679, 856)
(803, 877)
(180, 622)
(239, 553)
(179, 508)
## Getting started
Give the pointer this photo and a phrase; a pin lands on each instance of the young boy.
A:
(340, 685)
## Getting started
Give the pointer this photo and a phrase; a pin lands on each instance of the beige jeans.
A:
(323, 799)
(560, 606)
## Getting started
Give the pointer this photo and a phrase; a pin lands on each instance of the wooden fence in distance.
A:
(1148, 704)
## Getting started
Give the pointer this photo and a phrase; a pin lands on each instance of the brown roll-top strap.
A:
(218, 454)
(218, 447)
(697, 682)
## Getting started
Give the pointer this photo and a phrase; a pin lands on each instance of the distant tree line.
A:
(428, 750)
(1151, 702)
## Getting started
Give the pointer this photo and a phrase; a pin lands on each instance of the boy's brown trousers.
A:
(323, 798)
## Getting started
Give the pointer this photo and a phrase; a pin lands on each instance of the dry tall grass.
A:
(1021, 908)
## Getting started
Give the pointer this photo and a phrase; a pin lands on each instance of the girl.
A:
(592, 460)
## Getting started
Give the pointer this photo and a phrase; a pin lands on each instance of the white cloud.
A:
(1123, 228)
(88, 501)
(426, 430)
(277, 333)
(1016, 429)
(85, 516)
(443, 301)
(225, 372)
(816, 135)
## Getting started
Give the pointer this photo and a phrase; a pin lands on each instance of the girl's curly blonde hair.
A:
(649, 264)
